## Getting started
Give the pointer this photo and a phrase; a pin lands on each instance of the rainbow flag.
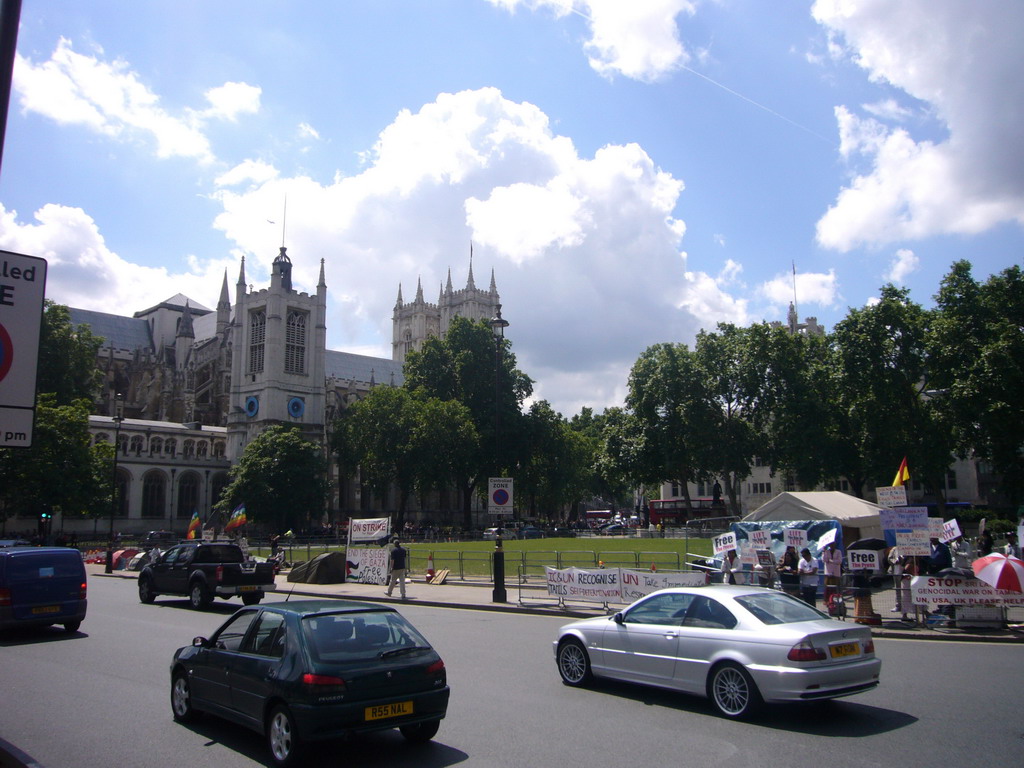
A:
(238, 518)
(902, 474)
(193, 525)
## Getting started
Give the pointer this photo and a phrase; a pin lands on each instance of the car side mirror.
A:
(200, 642)
(618, 618)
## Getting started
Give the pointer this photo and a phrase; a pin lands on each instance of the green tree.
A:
(879, 363)
(445, 444)
(673, 417)
(976, 366)
(61, 470)
(281, 479)
(611, 445)
(67, 357)
(553, 469)
(462, 367)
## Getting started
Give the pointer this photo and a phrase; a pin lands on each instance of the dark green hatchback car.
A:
(310, 670)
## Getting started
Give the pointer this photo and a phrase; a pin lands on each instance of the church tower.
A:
(279, 342)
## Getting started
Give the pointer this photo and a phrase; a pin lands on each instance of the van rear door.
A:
(46, 583)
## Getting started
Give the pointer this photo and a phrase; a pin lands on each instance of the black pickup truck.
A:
(203, 570)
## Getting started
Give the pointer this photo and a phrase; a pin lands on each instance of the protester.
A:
(1012, 548)
(730, 567)
(985, 544)
(832, 561)
(962, 553)
(940, 559)
(396, 571)
(808, 568)
(900, 581)
(789, 575)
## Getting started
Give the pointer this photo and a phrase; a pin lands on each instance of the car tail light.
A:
(869, 645)
(82, 590)
(219, 573)
(321, 680)
(5, 597)
(437, 666)
(805, 651)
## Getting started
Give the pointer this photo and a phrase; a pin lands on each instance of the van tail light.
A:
(82, 589)
(219, 573)
(317, 681)
(805, 651)
(5, 597)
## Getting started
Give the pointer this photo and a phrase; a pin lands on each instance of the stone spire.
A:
(322, 282)
(494, 286)
(448, 288)
(419, 291)
(398, 303)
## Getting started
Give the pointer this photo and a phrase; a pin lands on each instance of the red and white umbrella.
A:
(999, 571)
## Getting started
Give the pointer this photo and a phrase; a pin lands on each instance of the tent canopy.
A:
(849, 511)
(328, 568)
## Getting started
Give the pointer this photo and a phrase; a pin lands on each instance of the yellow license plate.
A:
(247, 589)
(46, 609)
(844, 649)
(382, 711)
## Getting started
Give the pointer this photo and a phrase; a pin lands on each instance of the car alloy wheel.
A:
(198, 597)
(181, 698)
(420, 731)
(733, 691)
(282, 737)
(574, 663)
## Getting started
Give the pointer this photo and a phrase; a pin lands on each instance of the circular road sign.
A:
(500, 497)
(6, 352)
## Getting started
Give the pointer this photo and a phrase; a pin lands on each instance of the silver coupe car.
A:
(739, 646)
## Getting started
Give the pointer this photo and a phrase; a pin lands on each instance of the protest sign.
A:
(864, 560)
(761, 539)
(950, 531)
(956, 590)
(596, 586)
(891, 496)
(367, 565)
(636, 584)
(723, 543)
(796, 537)
(369, 529)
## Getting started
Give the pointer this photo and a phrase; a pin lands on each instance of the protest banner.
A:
(827, 538)
(957, 590)
(367, 565)
(891, 496)
(864, 560)
(796, 537)
(596, 586)
(761, 539)
(636, 584)
(725, 542)
(369, 529)
(950, 531)
(907, 528)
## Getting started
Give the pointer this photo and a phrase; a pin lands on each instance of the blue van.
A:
(42, 586)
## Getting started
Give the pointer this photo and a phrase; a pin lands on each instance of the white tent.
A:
(858, 518)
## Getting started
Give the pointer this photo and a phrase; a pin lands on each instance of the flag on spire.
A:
(193, 525)
(903, 474)
(238, 518)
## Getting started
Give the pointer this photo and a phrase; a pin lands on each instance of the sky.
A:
(631, 172)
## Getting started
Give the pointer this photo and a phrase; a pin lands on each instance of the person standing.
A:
(1012, 548)
(789, 575)
(940, 558)
(397, 567)
(832, 561)
(808, 568)
(730, 567)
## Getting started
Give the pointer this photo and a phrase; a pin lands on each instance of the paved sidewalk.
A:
(534, 600)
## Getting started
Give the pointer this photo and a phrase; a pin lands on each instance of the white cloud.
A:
(888, 109)
(109, 98)
(638, 40)
(817, 288)
(230, 100)
(307, 131)
(903, 264)
(79, 260)
(255, 171)
(963, 60)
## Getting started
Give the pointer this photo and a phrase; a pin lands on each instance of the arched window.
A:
(295, 343)
(201, 449)
(136, 444)
(257, 336)
(156, 446)
(188, 494)
(102, 437)
(189, 449)
(171, 447)
(218, 449)
(122, 445)
(154, 493)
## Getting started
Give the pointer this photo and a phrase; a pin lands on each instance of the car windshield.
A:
(364, 635)
(779, 608)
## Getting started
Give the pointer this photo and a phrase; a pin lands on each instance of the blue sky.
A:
(632, 172)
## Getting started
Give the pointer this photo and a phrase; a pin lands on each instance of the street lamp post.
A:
(498, 326)
(118, 418)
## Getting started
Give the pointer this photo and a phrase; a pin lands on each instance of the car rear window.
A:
(217, 553)
(31, 567)
(779, 608)
(363, 635)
